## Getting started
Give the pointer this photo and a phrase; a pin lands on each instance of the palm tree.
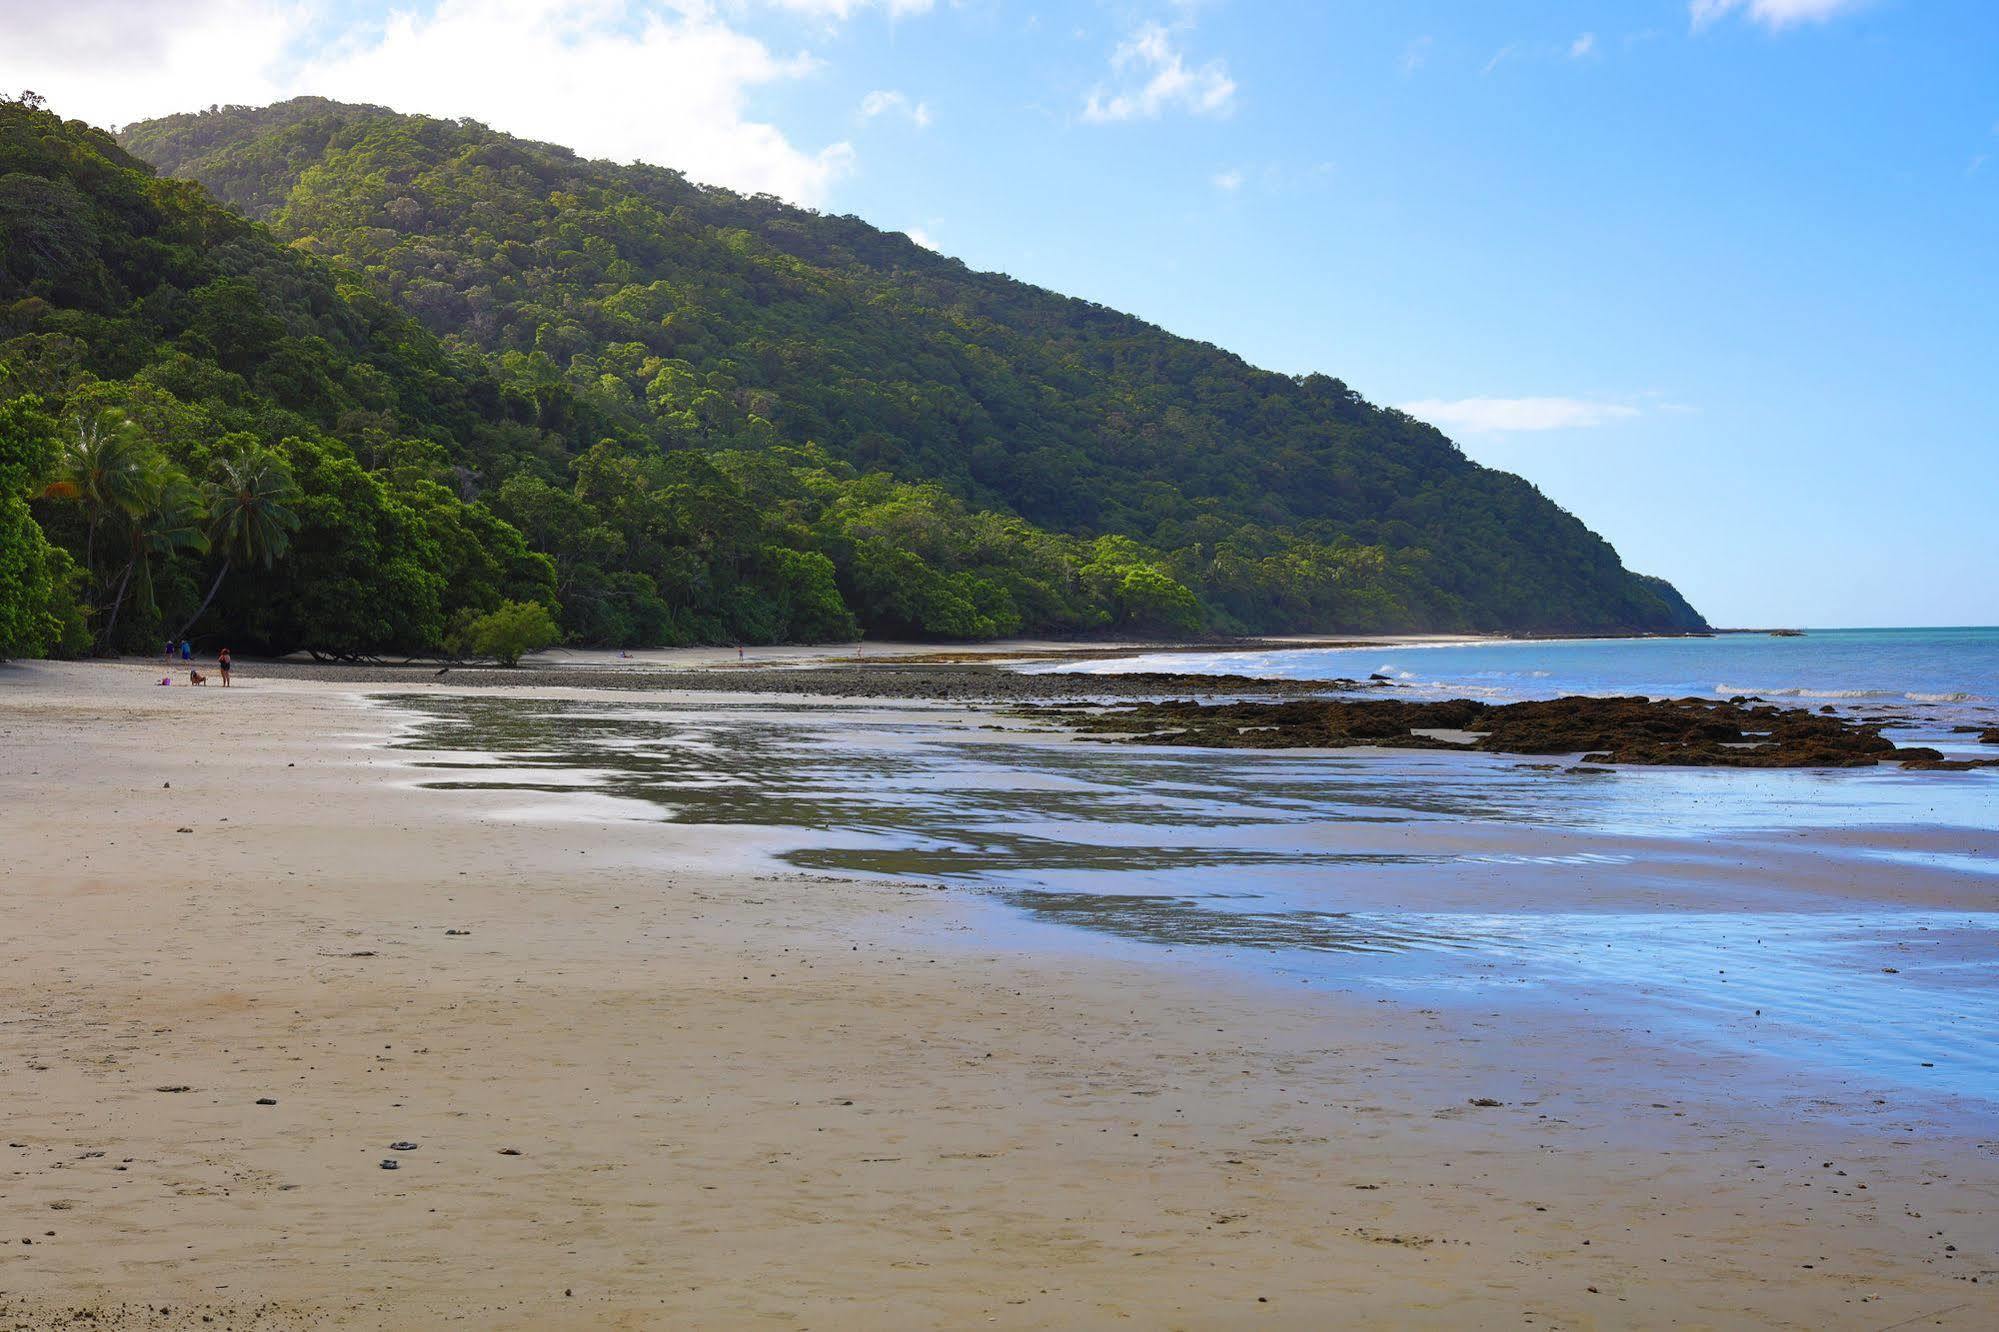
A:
(250, 515)
(169, 523)
(107, 469)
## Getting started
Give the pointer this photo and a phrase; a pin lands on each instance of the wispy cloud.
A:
(921, 237)
(1581, 47)
(1498, 415)
(883, 101)
(1414, 54)
(1152, 76)
(1772, 14)
(1230, 180)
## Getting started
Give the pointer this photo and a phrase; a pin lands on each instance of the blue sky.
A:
(1718, 276)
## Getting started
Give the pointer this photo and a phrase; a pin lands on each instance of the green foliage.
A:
(507, 632)
(659, 413)
(808, 596)
(680, 316)
(214, 394)
(38, 610)
(250, 503)
(1143, 595)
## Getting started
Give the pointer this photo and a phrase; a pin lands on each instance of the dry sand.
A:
(744, 1098)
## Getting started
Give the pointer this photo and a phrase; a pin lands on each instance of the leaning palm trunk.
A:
(213, 588)
(110, 639)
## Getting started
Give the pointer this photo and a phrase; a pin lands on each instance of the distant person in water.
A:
(222, 664)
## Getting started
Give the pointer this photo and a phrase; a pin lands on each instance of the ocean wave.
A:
(1460, 689)
(1799, 691)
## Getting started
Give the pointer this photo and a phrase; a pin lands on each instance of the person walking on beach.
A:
(222, 664)
(186, 651)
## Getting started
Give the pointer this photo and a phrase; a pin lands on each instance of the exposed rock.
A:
(1687, 731)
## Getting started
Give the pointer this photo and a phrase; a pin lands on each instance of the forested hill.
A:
(196, 417)
(627, 303)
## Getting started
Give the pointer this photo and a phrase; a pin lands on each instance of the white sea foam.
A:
(1800, 691)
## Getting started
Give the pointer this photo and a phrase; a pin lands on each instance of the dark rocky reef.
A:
(1688, 731)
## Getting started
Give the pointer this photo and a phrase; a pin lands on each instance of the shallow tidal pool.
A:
(1841, 921)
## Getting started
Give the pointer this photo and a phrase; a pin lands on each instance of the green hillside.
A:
(183, 397)
(457, 378)
(201, 427)
(627, 303)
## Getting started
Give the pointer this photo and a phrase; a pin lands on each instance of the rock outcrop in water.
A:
(1688, 731)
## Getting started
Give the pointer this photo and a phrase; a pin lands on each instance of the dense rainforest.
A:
(366, 383)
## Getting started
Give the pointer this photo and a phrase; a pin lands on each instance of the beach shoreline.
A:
(742, 1094)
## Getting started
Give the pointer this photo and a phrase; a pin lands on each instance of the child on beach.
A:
(222, 664)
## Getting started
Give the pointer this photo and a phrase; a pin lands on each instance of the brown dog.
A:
(195, 677)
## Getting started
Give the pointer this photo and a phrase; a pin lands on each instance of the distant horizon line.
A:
(1851, 628)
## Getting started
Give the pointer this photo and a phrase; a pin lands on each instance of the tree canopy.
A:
(696, 318)
(438, 372)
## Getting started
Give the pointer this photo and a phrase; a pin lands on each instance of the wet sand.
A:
(742, 1096)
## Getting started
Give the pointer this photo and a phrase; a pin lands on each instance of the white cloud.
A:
(1500, 57)
(114, 61)
(1772, 14)
(615, 78)
(663, 81)
(1230, 180)
(921, 237)
(881, 102)
(1413, 55)
(1582, 46)
(1509, 414)
(1154, 77)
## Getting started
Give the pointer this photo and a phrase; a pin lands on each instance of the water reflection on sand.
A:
(1838, 919)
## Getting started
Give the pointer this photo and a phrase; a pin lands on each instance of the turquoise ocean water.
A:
(1947, 669)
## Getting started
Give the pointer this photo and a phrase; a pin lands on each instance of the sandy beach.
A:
(654, 1079)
